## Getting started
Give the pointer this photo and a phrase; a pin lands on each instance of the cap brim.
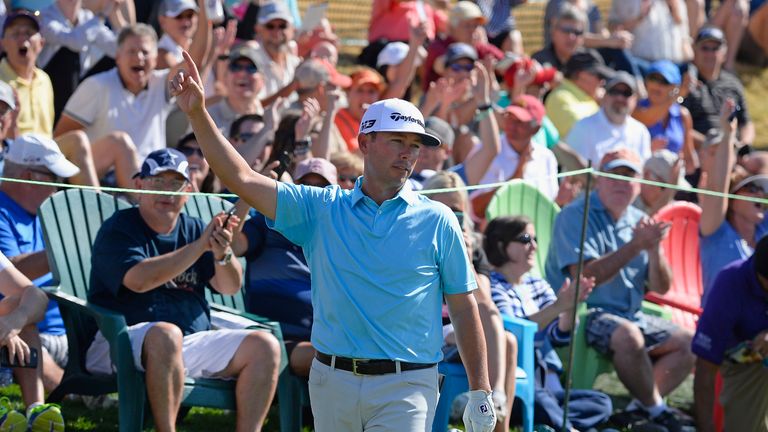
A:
(761, 180)
(285, 17)
(618, 163)
(179, 11)
(427, 139)
(63, 168)
(520, 113)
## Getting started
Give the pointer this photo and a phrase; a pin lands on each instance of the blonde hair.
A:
(450, 180)
(343, 160)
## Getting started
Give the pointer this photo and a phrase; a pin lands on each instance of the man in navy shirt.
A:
(152, 264)
(732, 337)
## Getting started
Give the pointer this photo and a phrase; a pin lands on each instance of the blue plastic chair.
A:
(455, 377)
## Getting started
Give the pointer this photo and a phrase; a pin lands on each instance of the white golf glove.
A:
(479, 415)
(500, 404)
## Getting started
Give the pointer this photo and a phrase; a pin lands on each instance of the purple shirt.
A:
(736, 312)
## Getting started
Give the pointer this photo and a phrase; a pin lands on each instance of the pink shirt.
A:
(391, 19)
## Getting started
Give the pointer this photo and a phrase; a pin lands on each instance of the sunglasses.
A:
(245, 136)
(281, 26)
(571, 31)
(189, 151)
(656, 78)
(525, 239)
(47, 175)
(162, 184)
(185, 16)
(620, 92)
(238, 67)
(347, 178)
(707, 48)
(458, 67)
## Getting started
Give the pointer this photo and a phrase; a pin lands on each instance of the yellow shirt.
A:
(568, 104)
(35, 98)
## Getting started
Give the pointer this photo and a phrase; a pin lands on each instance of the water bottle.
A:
(215, 11)
(6, 377)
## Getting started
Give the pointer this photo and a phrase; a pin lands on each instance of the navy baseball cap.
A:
(21, 13)
(160, 161)
(587, 60)
(666, 69)
(458, 50)
(710, 33)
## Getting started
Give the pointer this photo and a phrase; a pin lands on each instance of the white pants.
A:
(205, 353)
(398, 402)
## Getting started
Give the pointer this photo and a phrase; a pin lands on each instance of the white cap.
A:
(6, 95)
(393, 54)
(396, 115)
(274, 10)
(35, 149)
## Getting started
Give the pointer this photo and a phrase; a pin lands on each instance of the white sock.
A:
(32, 406)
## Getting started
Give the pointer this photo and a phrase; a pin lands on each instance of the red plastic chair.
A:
(681, 247)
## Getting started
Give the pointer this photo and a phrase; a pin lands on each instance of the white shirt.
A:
(168, 44)
(275, 77)
(90, 37)
(657, 37)
(103, 106)
(594, 136)
(540, 170)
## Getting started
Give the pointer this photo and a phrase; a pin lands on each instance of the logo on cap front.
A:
(396, 116)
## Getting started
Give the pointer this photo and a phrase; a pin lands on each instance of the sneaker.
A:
(10, 419)
(46, 418)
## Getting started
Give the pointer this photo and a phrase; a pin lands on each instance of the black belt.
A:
(369, 367)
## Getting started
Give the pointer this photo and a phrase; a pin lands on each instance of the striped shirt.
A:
(499, 14)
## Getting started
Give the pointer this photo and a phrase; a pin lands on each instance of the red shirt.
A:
(349, 128)
(391, 19)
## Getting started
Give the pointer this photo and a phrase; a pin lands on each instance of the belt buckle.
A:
(354, 365)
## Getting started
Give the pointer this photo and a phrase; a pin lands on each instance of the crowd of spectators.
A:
(649, 91)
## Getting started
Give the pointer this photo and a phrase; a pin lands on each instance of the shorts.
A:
(600, 326)
(205, 353)
(57, 347)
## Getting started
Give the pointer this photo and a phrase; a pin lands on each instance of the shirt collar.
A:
(406, 193)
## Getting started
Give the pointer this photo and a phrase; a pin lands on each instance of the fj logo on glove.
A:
(484, 409)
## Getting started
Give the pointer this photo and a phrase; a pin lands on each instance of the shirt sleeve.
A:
(8, 244)
(566, 238)
(715, 329)
(297, 210)
(84, 105)
(115, 251)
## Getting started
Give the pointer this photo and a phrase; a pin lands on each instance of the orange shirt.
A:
(349, 127)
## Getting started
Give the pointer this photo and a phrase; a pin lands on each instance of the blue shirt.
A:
(672, 128)
(125, 240)
(278, 284)
(21, 233)
(737, 312)
(621, 295)
(721, 248)
(378, 272)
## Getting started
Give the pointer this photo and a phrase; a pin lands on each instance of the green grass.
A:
(756, 90)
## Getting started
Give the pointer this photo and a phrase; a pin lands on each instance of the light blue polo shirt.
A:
(378, 272)
(623, 294)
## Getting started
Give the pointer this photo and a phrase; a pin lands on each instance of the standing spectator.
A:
(501, 27)
(623, 253)
(669, 123)
(34, 157)
(612, 127)
(659, 28)
(275, 59)
(391, 21)
(732, 339)
(152, 263)
(367, 87)
(179, 22)
(732, 17)
(717, 85)
(730, 228)
(361, 301)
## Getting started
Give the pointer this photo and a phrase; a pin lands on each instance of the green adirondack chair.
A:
(70, 221)
(520, 198)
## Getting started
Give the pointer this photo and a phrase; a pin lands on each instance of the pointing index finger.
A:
(191, 67)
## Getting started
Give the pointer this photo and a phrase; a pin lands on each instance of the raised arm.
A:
(714, 208)
(477, 164)
(257, 190)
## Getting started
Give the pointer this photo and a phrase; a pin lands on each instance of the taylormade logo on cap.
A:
(396, 115)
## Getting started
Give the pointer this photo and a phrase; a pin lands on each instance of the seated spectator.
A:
(465, 20)
(510, 244)
(308, 39)
(127, 121)
(519, 157)
(77, 42)
(152, 263)
(612, 127)
(659, 28)
(366, 88)
(579, 93)
(243, 81)
(567, 36)
(252, 138)
(665, 167)
(716, 85)
(732, 340)
(730, 228)
(732, 17)
(179, 22)
(34, 157)
(501, 345)
(669, 123)
(349, 167)
(398, 62)
(278, 283)
(275, 59)
(623, 253)
(23, 305)
(450, 97)
(201, 178)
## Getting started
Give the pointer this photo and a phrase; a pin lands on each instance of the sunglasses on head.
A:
(237, 67)
(571, 30)
(656, 78)
(189, 151)
(271, 26)
(524, 239)
(620, 92)
(458, 67)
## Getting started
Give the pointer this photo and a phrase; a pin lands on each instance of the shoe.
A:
(627, 419)
(672, 422)
(10, 419)
(46, 418)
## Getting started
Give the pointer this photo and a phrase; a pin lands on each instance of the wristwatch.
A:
(227, 258)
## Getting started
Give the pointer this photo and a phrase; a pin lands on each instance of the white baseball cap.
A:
(396, 115)
(35, 149)
(393, 54)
